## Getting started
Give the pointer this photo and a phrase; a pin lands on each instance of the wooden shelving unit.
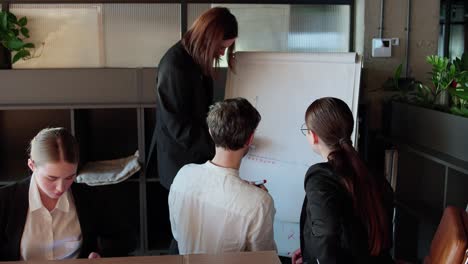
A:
(112, 114)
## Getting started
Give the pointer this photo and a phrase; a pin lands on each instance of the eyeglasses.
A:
(304, 129)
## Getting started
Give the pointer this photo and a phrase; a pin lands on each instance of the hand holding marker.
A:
(258, 183)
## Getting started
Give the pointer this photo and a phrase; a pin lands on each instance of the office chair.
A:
(449, 245)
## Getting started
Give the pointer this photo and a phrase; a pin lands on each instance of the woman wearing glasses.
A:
(347, 214)
(185, 92)
(47, 216)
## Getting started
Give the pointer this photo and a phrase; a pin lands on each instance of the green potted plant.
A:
(422, 118)
(13, 33)
(403, 86)
(459, 87)
(442, 75)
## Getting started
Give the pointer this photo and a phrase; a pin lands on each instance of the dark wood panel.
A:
(457, 184)
(71, 87)
(17, 129)
(106, 134)
(159, 226)
(420, 184)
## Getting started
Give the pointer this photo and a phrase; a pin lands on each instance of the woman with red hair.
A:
(185, 92)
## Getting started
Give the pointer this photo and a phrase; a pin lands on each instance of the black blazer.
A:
(99, 232)
(330, 230)
(184, 96)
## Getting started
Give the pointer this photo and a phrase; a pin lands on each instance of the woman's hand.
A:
(297, 257)
(94, 255)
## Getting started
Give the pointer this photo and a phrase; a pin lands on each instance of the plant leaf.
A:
(461, 93)
(464, 62)
(10, 35)
(25, 32)
(14, 44)
(396, 76)
(3, 21)
(29, 46)
(23, 21)
(398, 72)
(19, 55)
(464, 111)
(455, 110)
(453, 70)
(12, 18)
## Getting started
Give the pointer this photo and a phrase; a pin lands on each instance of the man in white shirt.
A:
(212, 210)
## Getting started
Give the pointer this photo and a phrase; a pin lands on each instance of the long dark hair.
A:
(332, 121)
(203, 40)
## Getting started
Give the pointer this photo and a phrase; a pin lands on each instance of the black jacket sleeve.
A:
(13, 213)
(181, 110)
(323, 227)
(184, 96)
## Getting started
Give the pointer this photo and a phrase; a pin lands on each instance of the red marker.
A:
(260, 182)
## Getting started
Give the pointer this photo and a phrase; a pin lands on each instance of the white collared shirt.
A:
(50, 235)
(213, 211)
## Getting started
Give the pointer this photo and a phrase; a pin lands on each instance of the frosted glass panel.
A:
(457, 41)
(290, 28)
(64, 35)
(261, 27)
(320, 28)
(99, 35)
(138, 35)
(194, 11)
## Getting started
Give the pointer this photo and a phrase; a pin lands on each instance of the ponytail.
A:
(365, 193)
(332, 120)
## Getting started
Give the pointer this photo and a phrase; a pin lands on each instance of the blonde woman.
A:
(47, 216)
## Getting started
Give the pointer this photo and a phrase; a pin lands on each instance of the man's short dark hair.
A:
(231, 122)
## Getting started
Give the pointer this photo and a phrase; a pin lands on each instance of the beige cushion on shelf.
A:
(108, 171)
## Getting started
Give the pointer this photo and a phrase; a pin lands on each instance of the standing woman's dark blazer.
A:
(184, 96)
(330, 230)
(100, 233)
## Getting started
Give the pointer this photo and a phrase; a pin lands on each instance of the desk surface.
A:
(267, 257)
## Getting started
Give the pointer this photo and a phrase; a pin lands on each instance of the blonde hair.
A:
(54, 145)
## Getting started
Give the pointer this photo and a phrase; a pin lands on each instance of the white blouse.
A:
(50, 235)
